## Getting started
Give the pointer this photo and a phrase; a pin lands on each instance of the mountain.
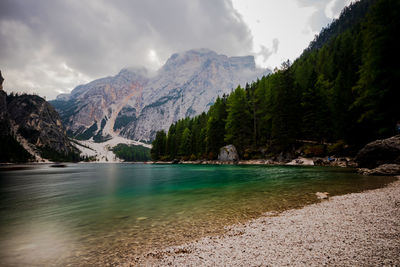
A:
(31, 130)
(339, 95)
(136, 103)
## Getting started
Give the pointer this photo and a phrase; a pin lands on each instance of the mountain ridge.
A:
(136, 103)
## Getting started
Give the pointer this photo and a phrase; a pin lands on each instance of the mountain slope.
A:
(136, 103)
(31, 125)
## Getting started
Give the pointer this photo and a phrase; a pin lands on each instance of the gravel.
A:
(360, 229)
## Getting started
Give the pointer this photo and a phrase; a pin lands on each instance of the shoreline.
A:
(355, 229)
(346, 162)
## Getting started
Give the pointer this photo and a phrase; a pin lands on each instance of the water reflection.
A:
(89, 214)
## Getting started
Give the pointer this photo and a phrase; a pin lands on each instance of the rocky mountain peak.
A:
(136, 103)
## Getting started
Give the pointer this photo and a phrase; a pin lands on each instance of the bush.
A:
(336, 148)
(252, 154)
(314, 150)
(53, 155)
(165, 158)
(12, 151)
(193, 157)
(185, 158)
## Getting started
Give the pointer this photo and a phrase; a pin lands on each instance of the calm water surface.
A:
(106, 213)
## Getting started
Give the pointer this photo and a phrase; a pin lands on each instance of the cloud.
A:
(266, 53)
(319, 18)
(52, 46)
(275, 45)
(335, 7)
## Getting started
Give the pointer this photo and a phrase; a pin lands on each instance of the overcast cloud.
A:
(49, 47)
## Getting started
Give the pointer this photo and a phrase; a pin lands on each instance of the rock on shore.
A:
(228, 153)
(384, 169)
(385, 151)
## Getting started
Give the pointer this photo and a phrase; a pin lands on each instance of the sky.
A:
(50, 47)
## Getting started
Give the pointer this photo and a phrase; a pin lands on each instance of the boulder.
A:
(384, 169)
(301, 161)
(322, 195)
(228, 153)
(374, 154)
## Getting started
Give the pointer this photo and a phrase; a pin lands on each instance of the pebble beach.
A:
(359, 229)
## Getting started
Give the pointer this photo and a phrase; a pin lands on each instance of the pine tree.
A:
(158, 146)
(377, 89)
(216, 126)
(185, 148)
(238, 128)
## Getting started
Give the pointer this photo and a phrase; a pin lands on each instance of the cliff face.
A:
(135, 103)
(35, 125)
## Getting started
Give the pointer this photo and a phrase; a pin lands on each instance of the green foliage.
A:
(215, 128)
(30, 134)
(122, 121)
(132, 152)
(314, 150)
(12, 151)
(185, 147)
(341, 90)
(53, 155)
(99, 138)
(125, 116)
(377, 92)
(88, 133)
(238, 123)
(159, 145)
(337, 148)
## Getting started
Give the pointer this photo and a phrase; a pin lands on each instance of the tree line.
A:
(343, 92)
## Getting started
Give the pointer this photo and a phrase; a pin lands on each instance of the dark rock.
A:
(379, 152)
(175, 161)
(228, 153)
(30, 120)
(385, 169)
(39, 123)
(58, 165)
(1, 81)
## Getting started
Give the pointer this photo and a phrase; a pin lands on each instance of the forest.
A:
(341, 93)
(132, 152)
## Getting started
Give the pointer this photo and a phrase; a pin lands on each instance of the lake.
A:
(88, 214)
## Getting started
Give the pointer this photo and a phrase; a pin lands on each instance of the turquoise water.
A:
(105, 213)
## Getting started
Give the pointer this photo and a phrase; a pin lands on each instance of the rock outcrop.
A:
(374, 154)
(137, 103)
(228, 153)
(35, 125)
(384, 169)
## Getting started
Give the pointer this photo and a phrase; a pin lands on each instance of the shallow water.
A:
(108, 213)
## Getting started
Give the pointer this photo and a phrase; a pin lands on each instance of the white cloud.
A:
(98, 38)
(291, 24)
(52, 46)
